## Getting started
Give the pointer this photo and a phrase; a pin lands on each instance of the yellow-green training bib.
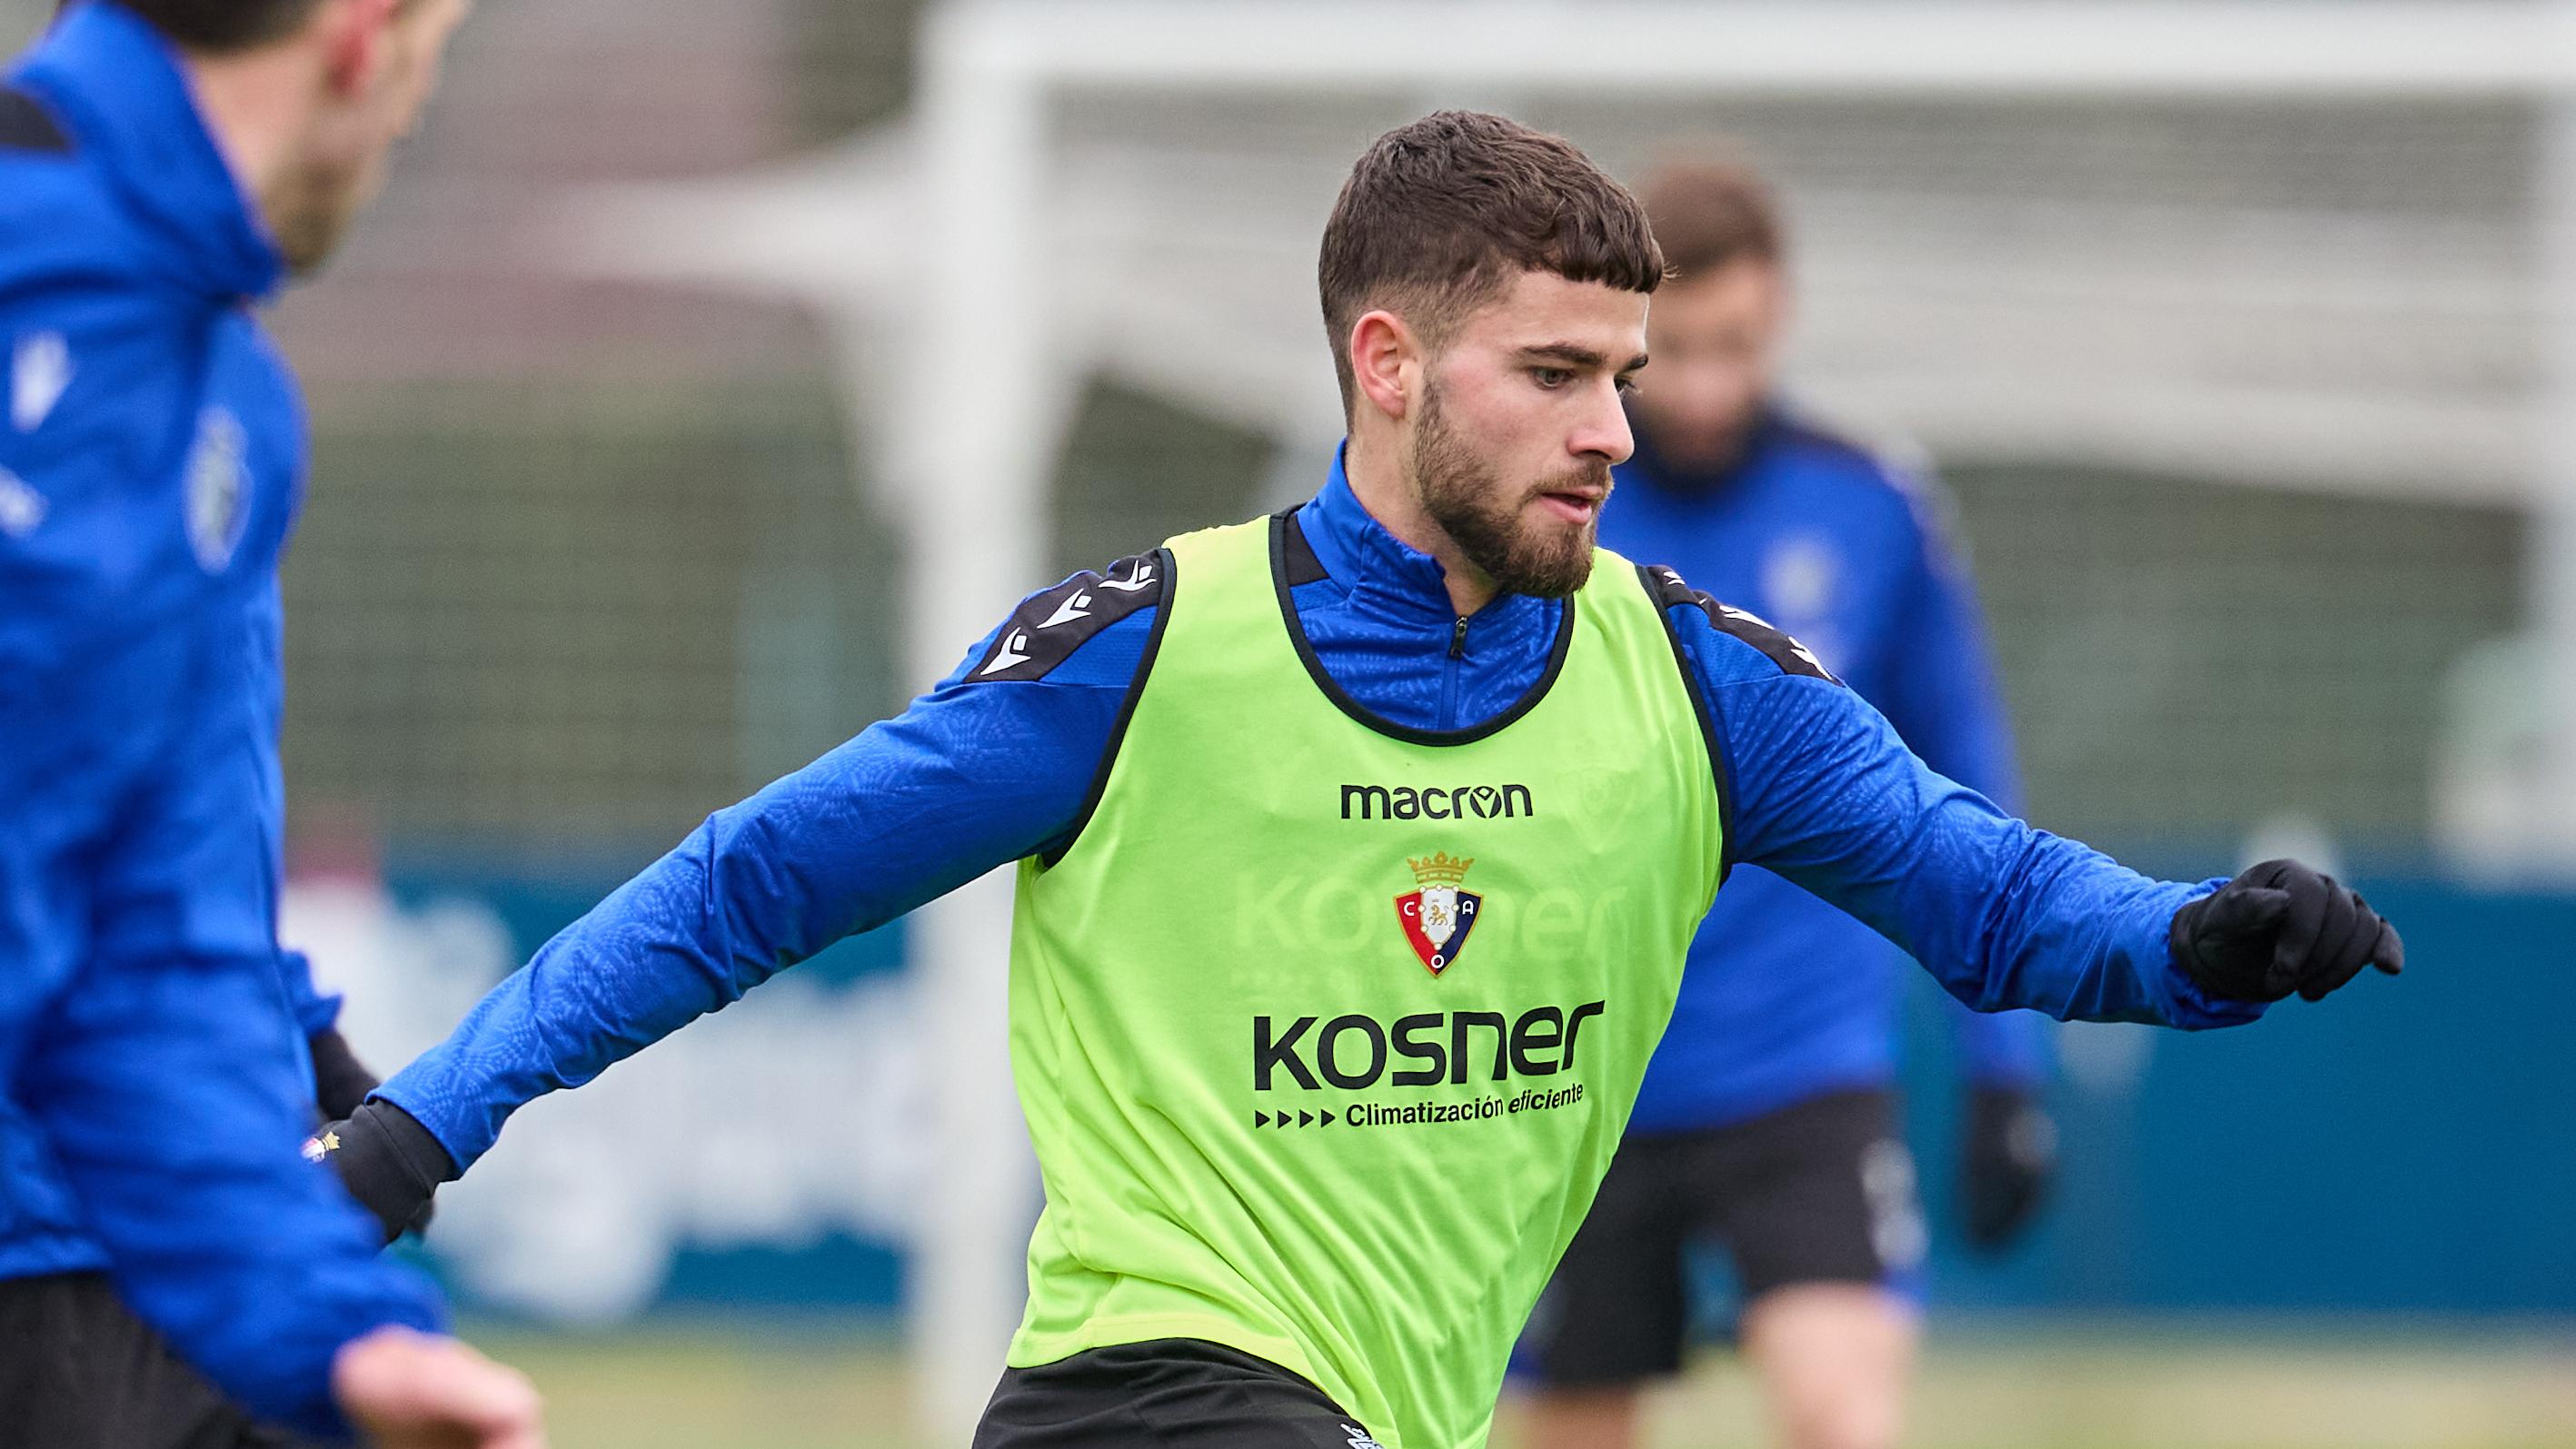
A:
(1326, 1029)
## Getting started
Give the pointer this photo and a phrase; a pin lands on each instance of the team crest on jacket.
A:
(1440, 911)
(218, 491)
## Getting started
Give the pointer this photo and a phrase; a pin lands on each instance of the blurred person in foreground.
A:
(172, 1271)
(1360, 848)
(1767, 1120)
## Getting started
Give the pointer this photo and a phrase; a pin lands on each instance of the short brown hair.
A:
(1439, 216)
(219, 27)
(1708, 213)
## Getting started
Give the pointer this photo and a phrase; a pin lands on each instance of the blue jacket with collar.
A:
(997, 761)
(152, 1033)
(1787, 998)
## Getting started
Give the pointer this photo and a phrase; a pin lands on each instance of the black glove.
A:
(389, 1163)
(340, 1080)
(2006, 1157)
(2278, 928)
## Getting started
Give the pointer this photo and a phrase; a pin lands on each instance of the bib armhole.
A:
(1126, 714)
(1719, 771)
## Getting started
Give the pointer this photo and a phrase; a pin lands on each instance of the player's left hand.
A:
(2281, 927)
(2007, 1155)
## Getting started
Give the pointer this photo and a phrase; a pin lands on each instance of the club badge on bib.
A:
(1440, 911)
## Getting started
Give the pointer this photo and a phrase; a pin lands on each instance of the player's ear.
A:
(356, 40)
(1386, 362)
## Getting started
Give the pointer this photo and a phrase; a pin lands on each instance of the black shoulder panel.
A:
(1161, 562)
(1302, 565)
(1672, 591)
(27, 126)
(1045, 630)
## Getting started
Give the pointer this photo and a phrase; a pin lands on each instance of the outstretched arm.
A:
(1824, 793)
(992, 765)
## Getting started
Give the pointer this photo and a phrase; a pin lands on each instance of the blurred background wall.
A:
(585, 556)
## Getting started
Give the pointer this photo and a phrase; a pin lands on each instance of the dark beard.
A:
(1483, 517)
(309, 213)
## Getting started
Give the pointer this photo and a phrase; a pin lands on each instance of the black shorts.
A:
(79, 1371)
(1819, 1192)
(1171, 1393)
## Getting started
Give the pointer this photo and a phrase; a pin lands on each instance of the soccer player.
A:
(172, 1273)
(1360, 849)
(1766, 1119)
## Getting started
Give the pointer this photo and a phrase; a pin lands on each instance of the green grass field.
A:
(771, 1387)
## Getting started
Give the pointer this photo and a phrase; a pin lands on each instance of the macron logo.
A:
(1014, 650)
(38, 375)
(1077, 607)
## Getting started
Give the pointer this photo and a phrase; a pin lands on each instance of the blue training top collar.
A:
(121, 89)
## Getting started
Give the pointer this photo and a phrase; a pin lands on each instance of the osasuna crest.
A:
(218, 489)
(1438, 915)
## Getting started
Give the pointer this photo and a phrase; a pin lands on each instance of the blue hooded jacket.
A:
(152, 1033)
(996, 764)
(1787, 998)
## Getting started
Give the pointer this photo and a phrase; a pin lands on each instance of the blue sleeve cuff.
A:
(2183, 1001)
(464, 1145)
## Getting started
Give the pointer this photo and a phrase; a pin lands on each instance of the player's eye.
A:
(1551, 378)
(1628, 386)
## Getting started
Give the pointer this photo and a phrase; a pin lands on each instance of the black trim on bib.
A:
(25, 125)
(1046, 628)
(1670, 591)
(1162, 593)
(1719, 770)
(1303, 567)
(1284, 526)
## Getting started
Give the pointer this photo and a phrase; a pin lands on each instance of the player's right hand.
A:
(388, 1161)
(2281, 927)
(407, 1390)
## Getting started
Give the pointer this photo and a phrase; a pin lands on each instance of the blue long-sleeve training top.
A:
(1786, 997)
(152, 1034)
(996, 762)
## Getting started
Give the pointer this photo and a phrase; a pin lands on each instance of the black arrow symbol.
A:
(1305, 1119)
(1328, 1119)
(1260, 1119)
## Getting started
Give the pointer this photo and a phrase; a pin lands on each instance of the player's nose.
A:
(1604, 432)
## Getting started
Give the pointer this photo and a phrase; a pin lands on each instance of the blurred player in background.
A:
(1359, 852)
(1768, 1120)
(163, 164)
